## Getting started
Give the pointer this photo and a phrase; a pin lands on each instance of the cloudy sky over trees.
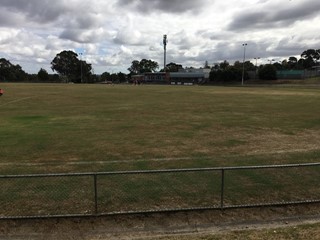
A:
(111, 34)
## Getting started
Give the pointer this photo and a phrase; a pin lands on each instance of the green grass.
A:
(55, 128)
(213, 126)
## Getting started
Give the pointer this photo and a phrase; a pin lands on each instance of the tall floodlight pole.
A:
(244, 58)
(257, 58)
(165, 41)
(81, 65)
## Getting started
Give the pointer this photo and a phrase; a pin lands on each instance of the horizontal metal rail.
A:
(161, 171)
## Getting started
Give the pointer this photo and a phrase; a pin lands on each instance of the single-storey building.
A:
(184, 77)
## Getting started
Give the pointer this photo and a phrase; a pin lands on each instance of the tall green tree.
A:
(206, 65)
(143, 66)
(248, 66)
(122, 77)
(268, 72)
(11, 73)
(173, 67)
(134, 68)
(43, 75)
(310, 57)
(229, 75)
(105, 77)
(223, 65)
(292, 62)
(67, 64)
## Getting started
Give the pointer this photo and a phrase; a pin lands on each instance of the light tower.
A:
(244, 59)
(165, 41)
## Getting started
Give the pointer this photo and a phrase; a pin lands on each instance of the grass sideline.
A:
(71, 128)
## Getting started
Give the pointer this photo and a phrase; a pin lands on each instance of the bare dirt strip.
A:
(160, 225)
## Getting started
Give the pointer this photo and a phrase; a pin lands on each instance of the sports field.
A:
(79, 128)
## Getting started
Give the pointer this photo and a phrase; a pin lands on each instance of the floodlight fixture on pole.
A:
(244, 58)
(271, 60)
(165, 41)
(257, 58)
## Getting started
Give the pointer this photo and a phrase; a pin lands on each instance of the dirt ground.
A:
(159, 225)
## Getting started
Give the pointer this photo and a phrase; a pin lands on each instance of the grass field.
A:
(76, 128)
(60, 128)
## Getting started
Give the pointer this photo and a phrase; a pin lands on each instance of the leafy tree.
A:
(143, 66)
(310, 57)
(85, 72)
(292, 62)
(173, 67)
(43, 75)
(206, 65)
(11, 73)
(268, 72)
(278, 66)
(67, 64)
(301, 63)
(215, 66)
(114, 78)
(230, 74)
(106, 76)
(224, 64)
(135, 67)
(94, 78)
(285, 64)
(248, 66)
(122, 77)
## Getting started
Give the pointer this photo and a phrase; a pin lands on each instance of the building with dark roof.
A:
(184, 77)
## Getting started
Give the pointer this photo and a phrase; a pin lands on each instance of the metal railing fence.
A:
(123, 192)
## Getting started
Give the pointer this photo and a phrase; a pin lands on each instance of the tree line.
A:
(68, 67)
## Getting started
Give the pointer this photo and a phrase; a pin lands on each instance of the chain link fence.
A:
(96, 194)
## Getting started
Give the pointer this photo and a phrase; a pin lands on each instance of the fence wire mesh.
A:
(93, 194)
(45, 196)
(145, 191)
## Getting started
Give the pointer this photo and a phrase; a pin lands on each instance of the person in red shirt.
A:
(1, 92)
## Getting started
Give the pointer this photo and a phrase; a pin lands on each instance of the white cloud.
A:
(113, 33)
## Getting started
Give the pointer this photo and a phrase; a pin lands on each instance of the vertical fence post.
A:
(222, 189)
(95, 194)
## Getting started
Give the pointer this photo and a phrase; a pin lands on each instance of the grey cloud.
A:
(269, 16)
(214, 35)
(8, 19)
(73, 35)
(171, 6)
(82, 36)
(290, 46)
(43, 11)
(74, 19)
(58, 13)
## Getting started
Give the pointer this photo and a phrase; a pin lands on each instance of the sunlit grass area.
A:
(71, 128)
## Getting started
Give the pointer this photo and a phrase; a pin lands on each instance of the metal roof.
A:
(186, 75)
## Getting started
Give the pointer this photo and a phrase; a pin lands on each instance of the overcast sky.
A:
(113, 33)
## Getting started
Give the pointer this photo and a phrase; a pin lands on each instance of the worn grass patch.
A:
(206, 126)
